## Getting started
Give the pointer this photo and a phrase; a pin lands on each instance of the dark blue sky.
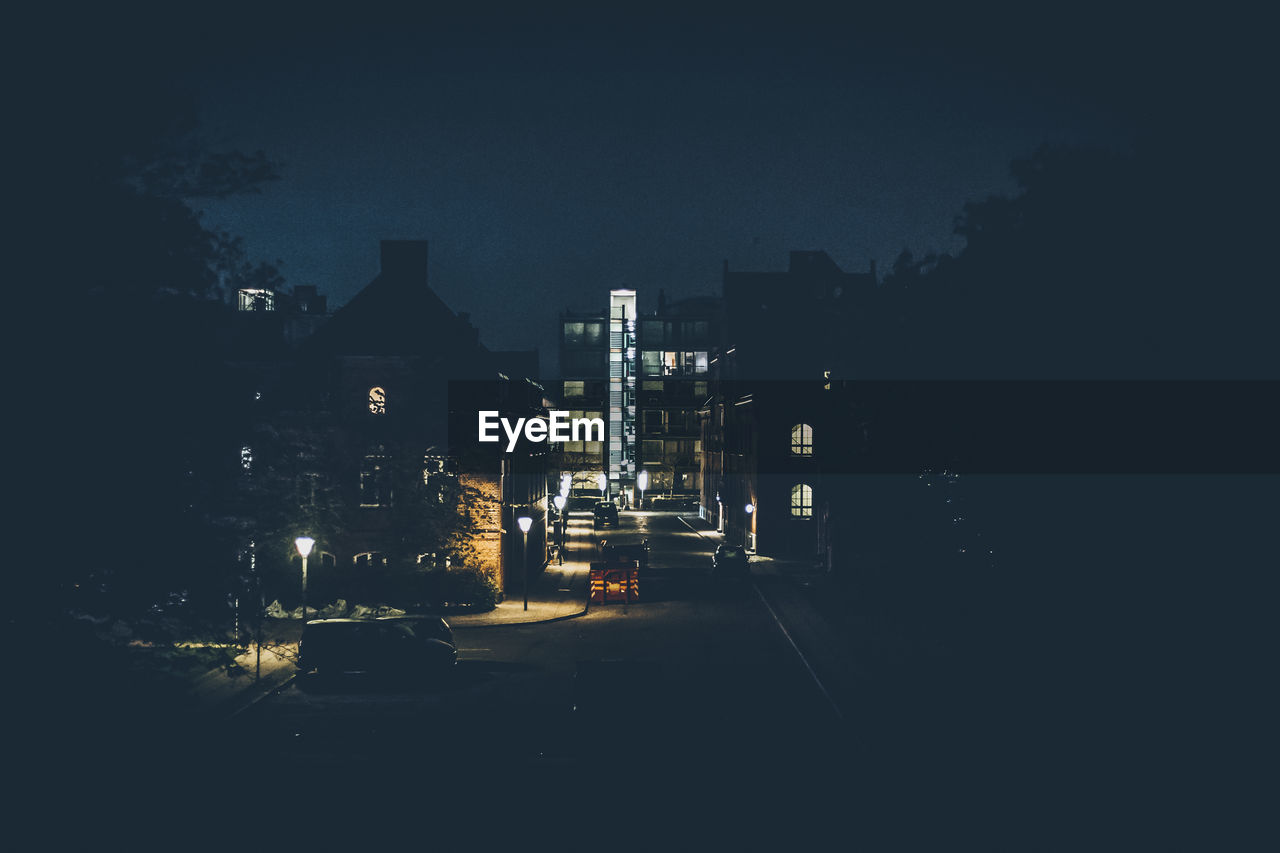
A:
(547, 162)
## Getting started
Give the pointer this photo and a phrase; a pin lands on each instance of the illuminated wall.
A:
(484, 494)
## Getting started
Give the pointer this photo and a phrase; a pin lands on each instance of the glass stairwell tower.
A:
(622, 392)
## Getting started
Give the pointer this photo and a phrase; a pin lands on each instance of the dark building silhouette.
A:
(780, 424)
(355, 429)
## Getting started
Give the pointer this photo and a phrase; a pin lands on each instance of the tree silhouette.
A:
(145, 402)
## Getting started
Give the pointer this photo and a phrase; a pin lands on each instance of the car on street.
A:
(605, 514)
(639, 552)
(382, 648)
(729, 561)
(424, 626)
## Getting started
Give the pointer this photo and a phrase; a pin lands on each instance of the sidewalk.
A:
(558, 592)
(759, 565)
(226, 693)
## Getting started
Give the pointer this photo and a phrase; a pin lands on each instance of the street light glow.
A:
(750, 508)
(643, 480)
(559, 502)
(525, 523)
(304, 544)
(602, 481)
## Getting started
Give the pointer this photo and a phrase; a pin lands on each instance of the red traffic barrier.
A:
(615, 582)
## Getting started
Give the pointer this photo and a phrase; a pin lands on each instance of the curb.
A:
(777, 620)
(262, 696)
(691, 527)
(582, 612)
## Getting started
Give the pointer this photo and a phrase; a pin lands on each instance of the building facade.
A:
(646, 376)
(352, 445)
(780, 428)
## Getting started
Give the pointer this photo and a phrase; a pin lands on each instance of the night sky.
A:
(550, 156)
(549, 159)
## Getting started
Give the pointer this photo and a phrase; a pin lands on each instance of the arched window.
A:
(801, 501)
(802, 440)
(370, 560)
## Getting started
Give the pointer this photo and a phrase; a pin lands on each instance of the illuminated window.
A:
(375, 478)
(801, 501)
(574, 389)
(257, 300)
(802, 440)
(377, 401)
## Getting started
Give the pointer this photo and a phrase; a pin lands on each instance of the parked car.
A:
(431, 627)
(388, 647)
(729, 560)
(622, 553)
(605, 513)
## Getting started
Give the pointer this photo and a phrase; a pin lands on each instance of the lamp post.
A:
(525, 523)
(561, 526)
(642, 481)
(603, 482)
(304, 544)
(751, 534)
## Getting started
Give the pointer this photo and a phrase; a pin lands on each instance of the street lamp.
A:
(566, 480)
(603, 482)
(525, 523)
(304, 544)
(642, 481)
(561, 526)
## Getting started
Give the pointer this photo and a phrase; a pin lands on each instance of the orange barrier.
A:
(617, 582)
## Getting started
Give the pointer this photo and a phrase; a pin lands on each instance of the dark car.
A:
(605, 513)
(638, 551)
(394, 647)
(729, 560)
(431, 627)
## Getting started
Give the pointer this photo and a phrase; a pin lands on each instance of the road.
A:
(715, 687)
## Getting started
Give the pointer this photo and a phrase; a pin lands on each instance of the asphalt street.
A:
(695, 678)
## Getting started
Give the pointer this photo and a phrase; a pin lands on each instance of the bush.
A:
(469, 588)
(430, 589)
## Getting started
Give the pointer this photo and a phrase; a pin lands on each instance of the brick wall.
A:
(484, 507)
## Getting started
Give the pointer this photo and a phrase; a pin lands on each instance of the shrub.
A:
(469, 588)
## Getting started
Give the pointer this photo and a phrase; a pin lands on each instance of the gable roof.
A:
(399, 315)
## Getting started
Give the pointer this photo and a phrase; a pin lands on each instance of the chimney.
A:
(405, 259)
